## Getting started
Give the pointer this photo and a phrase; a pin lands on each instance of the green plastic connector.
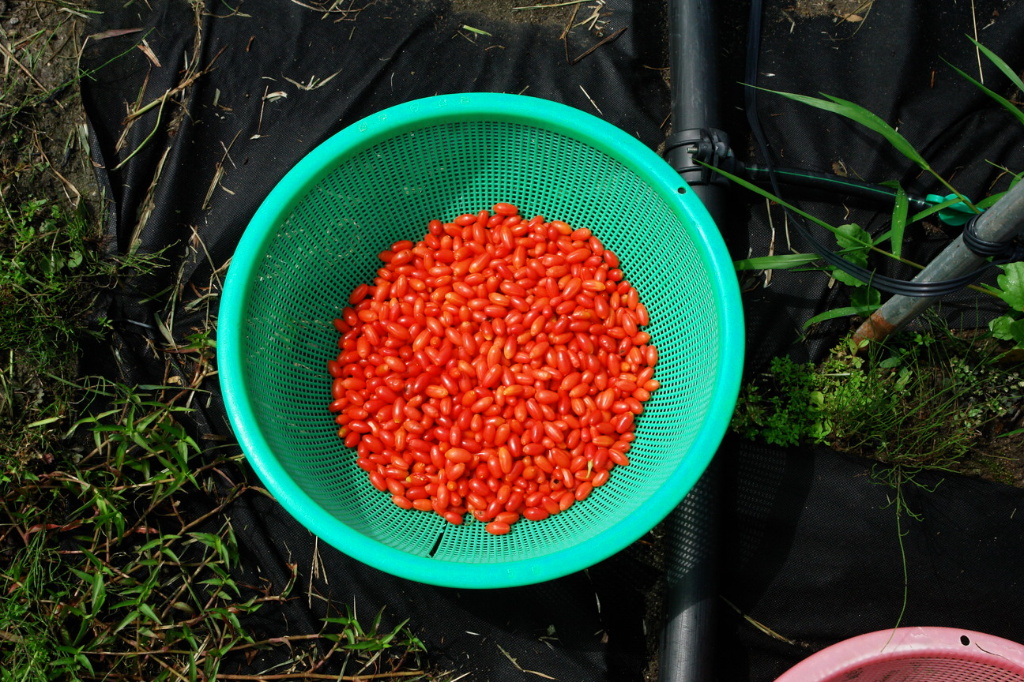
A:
(956, 214)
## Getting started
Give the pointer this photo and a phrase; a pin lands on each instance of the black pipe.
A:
(687, 637)
(827, 183)
(694, 92)
(694, 73)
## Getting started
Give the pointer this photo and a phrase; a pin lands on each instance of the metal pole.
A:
(1000, 223)
(686, 640)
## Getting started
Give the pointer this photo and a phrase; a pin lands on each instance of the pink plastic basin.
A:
(914, 655)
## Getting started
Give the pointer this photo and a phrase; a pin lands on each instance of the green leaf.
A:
(1017, 331)
(183, 606)
(847, 279)
(899, 221)
(1000, 64)
(935, 208)
(1002, 101)
(170, 554)
(222, 582)
(1000, 327)
(866, 297)
(84, 661)
(132, 615)
(854, 242)
(989, 201)
(99, 592)
(841, 312)
(1011, 285)
(82, 575)
(156, 542)
(368, 645)
(859, 114)
(478, 31)
(148, 612)
(231, 618)
(781, 262)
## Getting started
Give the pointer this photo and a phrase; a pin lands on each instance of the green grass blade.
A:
(1000, 64)
(863, 310)
(869, 120)
(782, 262)
(872, 121)
(1003, 102)
(899, 221)
(990, 200)
(859, 114)
(771, 197)
(933, 209)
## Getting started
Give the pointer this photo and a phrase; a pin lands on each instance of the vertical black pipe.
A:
(692, 53)
(687, 638)
(693, 49)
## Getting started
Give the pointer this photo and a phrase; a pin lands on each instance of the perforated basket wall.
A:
(317, 236)
(922, 654)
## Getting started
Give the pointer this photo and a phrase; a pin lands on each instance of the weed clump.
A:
(921, 400)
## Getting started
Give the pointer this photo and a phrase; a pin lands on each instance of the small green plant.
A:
(43, 250)
(1010, 326)
(51, 271)
(923, 400)
(896, 477)
(785, 409)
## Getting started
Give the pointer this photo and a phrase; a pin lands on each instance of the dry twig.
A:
(605, 41)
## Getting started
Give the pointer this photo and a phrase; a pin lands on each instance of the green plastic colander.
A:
(317, 236)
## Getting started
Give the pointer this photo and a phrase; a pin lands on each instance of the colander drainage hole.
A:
(965, 640)
(437, 544)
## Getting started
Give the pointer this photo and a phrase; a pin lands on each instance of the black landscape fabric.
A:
(237, 92)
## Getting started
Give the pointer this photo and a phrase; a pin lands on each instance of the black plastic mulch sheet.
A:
(809, 544)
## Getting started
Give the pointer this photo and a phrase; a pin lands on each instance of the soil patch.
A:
(556, 14)
(847, 10)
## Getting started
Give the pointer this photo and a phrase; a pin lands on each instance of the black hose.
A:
(827, 183)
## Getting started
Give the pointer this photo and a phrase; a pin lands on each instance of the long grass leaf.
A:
(899, 221)
(1003, 102)
(1000, 64)
(866, 118)
(990, 200)
(771, 197)
(872, 121)
(933, 209)
(841, 312)
(782, 262)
